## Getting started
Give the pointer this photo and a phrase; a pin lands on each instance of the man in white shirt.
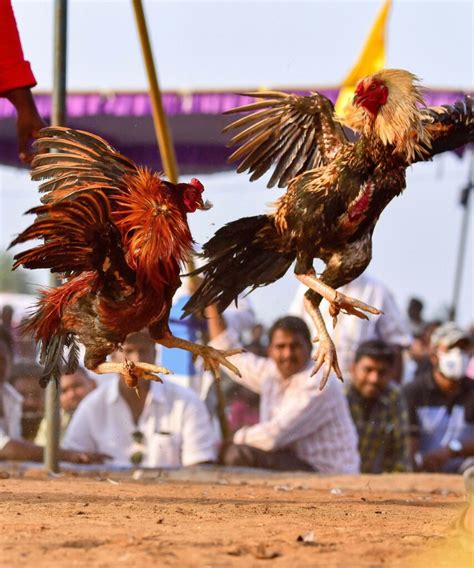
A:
(166, 425)
(391, 326)
(72, 389)
(301, 427)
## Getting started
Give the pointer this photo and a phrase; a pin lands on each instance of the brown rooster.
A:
(118, 234)
(337, 190)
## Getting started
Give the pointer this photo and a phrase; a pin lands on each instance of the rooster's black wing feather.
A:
(450, 126)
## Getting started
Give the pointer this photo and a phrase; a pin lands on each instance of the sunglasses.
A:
(137, 456)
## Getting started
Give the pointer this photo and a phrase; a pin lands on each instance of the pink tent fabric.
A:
(125, 120)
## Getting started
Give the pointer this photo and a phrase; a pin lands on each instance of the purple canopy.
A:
(125, 120)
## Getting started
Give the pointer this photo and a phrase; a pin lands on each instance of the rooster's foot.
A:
(327, 355)
(131, 371)
(350, 306)
(213, 358)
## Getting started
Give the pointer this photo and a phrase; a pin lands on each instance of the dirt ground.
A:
(219, 518)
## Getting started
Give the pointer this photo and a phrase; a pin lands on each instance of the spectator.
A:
(256, 344)
(415, 316)
(242, 406)
(7, 317)
(301, 427)
(72, 389)
(25, 378)
(12, 445)
(417, 357)
(165, 426)
(25, 344)
(441, 404)
(16, 81)
(351, 331)
(378, 410)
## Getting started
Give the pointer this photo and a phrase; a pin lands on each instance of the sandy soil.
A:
(221, 518)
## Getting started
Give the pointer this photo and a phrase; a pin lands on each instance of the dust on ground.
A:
(218, 518)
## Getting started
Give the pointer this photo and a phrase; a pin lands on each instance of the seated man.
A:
(72, 389)
(166, 425)
(378, 410)
(25, 379)
(441, 404)
(12, 445)
(301, 427)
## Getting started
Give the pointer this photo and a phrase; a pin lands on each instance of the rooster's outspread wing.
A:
(80, 161)
(79, 236)
(449, 126)
(297, 133)
(144, 211)
(115, 232)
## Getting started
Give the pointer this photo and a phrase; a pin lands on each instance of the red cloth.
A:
(15, 72)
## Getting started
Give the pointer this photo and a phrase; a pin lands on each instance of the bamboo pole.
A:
(58, 115)
(167, 153)
(163, 135)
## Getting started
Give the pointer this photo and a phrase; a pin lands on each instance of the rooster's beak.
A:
(204, 205)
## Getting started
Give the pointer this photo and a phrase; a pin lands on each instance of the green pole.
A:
(58, 117)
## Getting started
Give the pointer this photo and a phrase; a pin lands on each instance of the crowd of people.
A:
(407, 402)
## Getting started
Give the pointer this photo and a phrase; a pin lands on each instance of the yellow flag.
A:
(371, 59)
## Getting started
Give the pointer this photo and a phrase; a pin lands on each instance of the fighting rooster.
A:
(337, 190)
(118, 234)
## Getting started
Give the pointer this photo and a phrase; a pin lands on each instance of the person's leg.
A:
(248, 456)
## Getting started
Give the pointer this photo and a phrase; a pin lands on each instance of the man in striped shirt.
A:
(301, 427)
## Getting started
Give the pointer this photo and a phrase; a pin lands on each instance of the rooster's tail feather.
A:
(59, 351)
(242, 254)
(59, 355)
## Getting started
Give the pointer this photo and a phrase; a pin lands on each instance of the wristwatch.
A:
(455, 447)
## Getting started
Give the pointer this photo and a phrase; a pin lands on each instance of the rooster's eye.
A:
(373, 86)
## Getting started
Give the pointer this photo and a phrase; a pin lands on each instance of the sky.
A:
(240, 44)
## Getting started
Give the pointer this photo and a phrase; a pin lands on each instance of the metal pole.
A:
(58, 116)
(165, 145)
(465, 202)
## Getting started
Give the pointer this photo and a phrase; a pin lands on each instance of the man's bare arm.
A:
(215, 322)
(22, 450)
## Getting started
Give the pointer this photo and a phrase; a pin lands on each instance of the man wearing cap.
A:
(441, 405)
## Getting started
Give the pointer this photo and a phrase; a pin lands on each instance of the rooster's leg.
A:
(212, 357)
(337, 300)
(326, 350)
(131, 371)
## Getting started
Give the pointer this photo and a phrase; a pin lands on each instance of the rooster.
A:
(118, 234)
(337, 187)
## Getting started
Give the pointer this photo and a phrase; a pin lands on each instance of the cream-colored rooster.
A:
(337, 190)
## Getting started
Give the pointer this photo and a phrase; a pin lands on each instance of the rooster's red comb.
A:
(197, 184)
